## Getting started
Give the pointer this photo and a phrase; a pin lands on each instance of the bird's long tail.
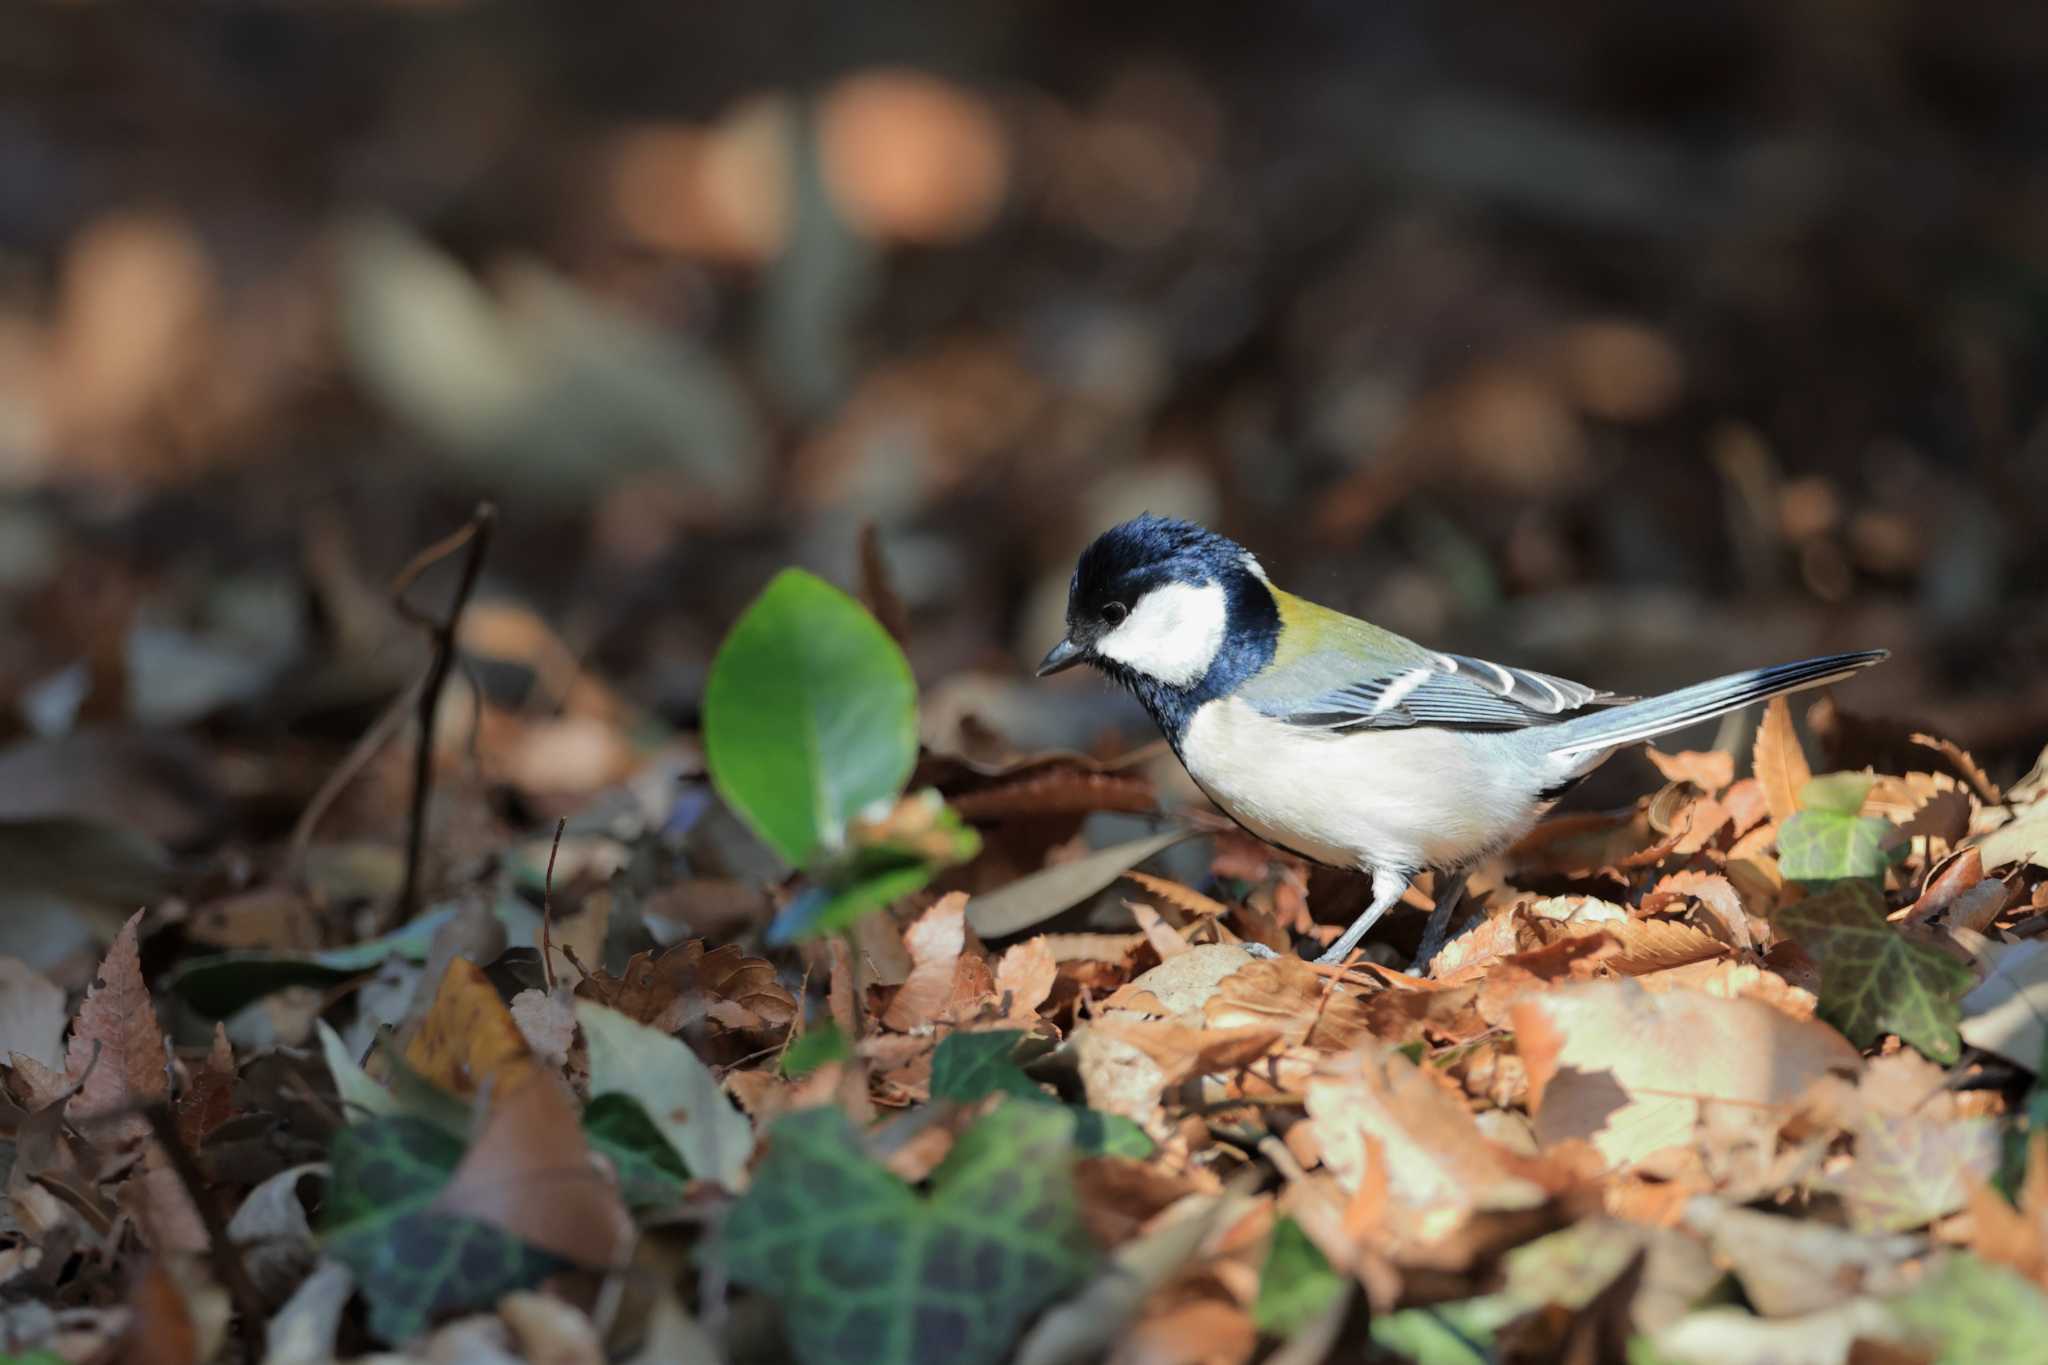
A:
(1646, 719)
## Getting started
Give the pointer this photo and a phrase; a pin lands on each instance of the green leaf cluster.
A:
(1873, 979)
(810, 732)
(415, 1264)
(865, 1268)
(1827, 840)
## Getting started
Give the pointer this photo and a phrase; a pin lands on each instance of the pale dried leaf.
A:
(1709, 770)
(1628, 1069)
(935, 942)
(1780, 763)
(1025, 977)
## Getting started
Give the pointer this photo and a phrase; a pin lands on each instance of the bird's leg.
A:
(1386, 889)
(1439, 928)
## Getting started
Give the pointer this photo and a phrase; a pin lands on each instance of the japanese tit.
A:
(1345, 743)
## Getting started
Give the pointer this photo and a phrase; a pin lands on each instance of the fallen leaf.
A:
(2007, 1013)
(468, 1038)
(1874, 980)
(2024, 840)
(1025, 977)
(1908, 1171)
(1039, 896)
(1628, 1069)
(32, 1015)
(117, 1049)
(550, 1331)
(875, 1272)
(303, 1331)
(1182, 984)
(935, 942)
(529, 1173)
(1439, 1167)
(1779, 762)
(1710, 770)
(678, 1091)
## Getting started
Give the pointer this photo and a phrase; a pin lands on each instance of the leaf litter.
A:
(1783, 1027)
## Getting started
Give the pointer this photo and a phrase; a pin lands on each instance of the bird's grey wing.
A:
(1447, 690)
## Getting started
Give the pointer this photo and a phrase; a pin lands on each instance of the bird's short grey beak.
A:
(1063, 655)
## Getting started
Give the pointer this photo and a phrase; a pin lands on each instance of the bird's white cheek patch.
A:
(1172, 634)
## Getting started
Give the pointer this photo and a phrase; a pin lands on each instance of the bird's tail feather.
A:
(1653, 716)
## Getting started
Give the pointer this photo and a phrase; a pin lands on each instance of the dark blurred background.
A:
(1633, 342)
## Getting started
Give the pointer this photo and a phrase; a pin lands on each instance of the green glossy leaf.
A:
(651, 1175)
(1836, 793)
(1820, 846)
(218, 985)
(1873, 979)
(1099, 1134)
(414, 1264)
(866, 1269)
(1972, 1310)
(813, 1048)
(1296, 1284)
(810, 715)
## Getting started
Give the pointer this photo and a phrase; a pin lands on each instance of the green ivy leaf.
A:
(1296, 1284)
(1822, 846)
(1970, 1310)
(1873, 980)
(967, 1066)
(415, 1265)
(813, 1048)
(651, 1175)
(970, 1066)
(1459, 1333)
(810, 715)
(865, 1269)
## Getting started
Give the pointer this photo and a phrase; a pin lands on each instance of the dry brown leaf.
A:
(1165, 940)
(1628, 1069)
(210, 1100)
(1182, 983)
(1735, 981)
(1653, 945)
(682, 983)
(468, 1037)
(1180, 1051)
(1746, 805)
(1966, 766)
(1183, 898)
(1090, 947)
(1290, 997)
(1709, 770)
(1061, 791)
(935, 940)
(117, 1048)
(1025, 977)
(529, 1172)
(547, 1022)
(1944, 816)
(1715, 893)
(1780, 763)
(1377, 1109)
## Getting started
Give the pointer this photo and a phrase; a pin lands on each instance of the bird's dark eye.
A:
(1115, 612)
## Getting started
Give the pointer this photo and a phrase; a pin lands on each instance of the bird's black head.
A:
(1171, 609)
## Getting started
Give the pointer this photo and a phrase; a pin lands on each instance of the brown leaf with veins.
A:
(210, 1101)
(672, 988)
(1780, 763)
(1628, 1069)
(1290, 997)
(117, 1022)
(935, 940)
(1377, 1109)
(1025, 977)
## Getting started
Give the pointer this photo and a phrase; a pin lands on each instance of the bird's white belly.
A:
(1398, 799)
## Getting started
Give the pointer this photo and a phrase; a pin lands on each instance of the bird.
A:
(1345, 743)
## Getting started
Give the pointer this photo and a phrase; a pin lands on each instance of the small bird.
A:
(1345, 743)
